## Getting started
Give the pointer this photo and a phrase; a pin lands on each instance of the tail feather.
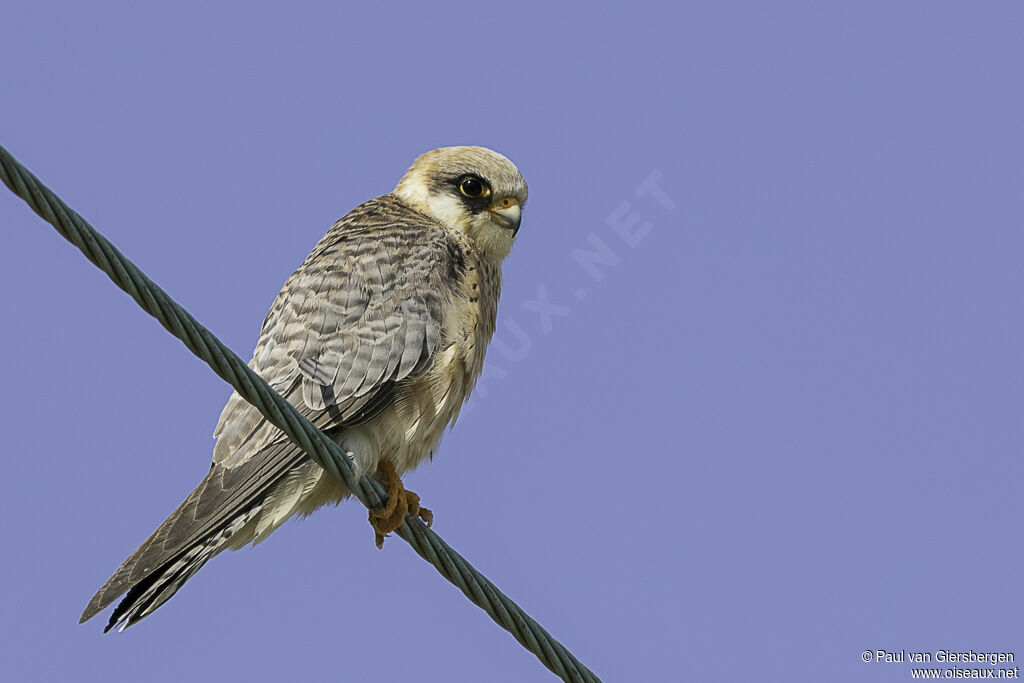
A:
(222, 512)
(158, 587)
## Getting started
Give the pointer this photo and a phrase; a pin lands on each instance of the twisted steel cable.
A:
(285, 417)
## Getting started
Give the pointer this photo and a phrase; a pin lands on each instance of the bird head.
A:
(471, 189)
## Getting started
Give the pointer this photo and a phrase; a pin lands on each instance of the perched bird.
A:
(377, 338)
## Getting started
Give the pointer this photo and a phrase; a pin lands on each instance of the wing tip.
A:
(96, 605)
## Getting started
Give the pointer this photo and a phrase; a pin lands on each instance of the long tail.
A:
(158, 587)
(229, 508)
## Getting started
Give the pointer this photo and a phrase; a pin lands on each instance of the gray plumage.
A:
(377, 338)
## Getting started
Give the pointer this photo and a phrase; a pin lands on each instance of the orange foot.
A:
(400, 504)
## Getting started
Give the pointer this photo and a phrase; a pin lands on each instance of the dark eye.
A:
(473, 187)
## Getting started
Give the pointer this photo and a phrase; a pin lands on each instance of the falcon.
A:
(378, 339)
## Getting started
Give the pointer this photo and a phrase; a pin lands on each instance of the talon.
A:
(426, 515)
(401, 503)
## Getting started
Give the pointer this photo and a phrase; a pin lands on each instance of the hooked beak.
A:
(508, 214)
